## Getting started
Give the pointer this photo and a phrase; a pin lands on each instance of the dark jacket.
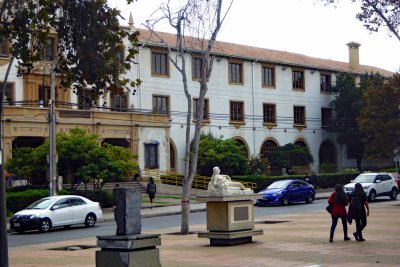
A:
(357, 206)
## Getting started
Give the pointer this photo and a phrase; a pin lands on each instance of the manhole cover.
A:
(74, 247)
(272, 222)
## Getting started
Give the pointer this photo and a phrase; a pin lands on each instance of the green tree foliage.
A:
(379, 117)
(347, 105)
(226, 154)
(290, 155)
(81, 159)
(90, 41)
(377, 13)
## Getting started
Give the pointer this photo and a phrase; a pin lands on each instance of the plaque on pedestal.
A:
(230, 219)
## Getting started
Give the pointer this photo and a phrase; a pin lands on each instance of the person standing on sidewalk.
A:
(359, 210)
(151, 190)
(338, 200)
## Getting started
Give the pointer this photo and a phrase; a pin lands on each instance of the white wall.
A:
(221, 92)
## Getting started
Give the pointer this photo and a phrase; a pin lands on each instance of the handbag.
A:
(329, 208)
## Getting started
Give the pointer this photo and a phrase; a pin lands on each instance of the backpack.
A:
(151, 188)
(355, 205)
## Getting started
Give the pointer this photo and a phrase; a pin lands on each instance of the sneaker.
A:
(346, 238)
(331, 240)
(355, 236)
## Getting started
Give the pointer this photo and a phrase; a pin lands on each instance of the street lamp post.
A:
(52, 137)
(3, 215)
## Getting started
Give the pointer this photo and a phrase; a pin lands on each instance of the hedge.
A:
(328, 180)
(19, 200)
(16, 201)
(105, 198)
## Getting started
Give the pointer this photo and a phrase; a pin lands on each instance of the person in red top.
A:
(339, 201)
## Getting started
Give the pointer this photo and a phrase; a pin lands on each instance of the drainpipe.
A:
(139, 72)
(252, 99)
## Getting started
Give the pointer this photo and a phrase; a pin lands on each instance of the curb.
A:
(160, 214)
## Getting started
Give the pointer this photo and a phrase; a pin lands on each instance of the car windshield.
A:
(278, 185)
(365, 178)
(40, 204)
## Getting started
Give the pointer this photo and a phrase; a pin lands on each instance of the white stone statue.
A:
(222, 185)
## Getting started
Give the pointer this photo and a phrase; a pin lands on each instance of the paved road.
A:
(148, 224)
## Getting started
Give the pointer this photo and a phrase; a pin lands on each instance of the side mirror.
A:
(55, 207)
(377, 181)
(351, 181)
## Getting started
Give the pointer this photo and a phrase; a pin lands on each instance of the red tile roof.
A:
(262, 54)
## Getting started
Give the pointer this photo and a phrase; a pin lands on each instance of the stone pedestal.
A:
(128, 251)
(128, 248)
(230, 219)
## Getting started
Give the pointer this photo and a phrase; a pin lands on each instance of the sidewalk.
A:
(165, 210)
(288, 240)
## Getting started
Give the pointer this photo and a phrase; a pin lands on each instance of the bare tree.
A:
(197, 24)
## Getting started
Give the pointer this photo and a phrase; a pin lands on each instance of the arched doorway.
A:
(172, 156)
(301, 143)
(266, 149)
(327, 153)
(301, 169)
(244, 146)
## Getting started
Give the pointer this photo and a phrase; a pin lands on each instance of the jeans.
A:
(334, 223)
(361, 222)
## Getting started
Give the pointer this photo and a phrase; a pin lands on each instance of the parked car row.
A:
(375, 185)
(56, 211)
(284, 192)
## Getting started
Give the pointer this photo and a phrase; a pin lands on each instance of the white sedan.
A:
(56, 211)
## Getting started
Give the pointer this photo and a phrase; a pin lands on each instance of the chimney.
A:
(354, 57)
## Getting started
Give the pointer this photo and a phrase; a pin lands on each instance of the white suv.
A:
(375, 185)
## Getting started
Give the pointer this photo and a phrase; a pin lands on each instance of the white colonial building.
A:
(263, 98)
(260, 97)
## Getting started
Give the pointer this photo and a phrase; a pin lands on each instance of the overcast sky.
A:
(300, 26)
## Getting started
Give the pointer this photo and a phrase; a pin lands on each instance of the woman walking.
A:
(338, 200)
(359, 210)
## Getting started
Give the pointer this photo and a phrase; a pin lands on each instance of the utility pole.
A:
(3, 215)
(52, 137)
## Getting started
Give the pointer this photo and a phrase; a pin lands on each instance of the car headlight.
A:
(366, 186)
(277, 194)
(32, 216)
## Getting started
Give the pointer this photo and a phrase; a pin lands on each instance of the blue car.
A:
(284, 192)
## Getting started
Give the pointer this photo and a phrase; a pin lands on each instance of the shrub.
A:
(327, 167)
(16, 201)
(105, 198)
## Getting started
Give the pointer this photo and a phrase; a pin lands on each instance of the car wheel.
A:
(372, 196)
(45, 225)
(90, 220)
(285, 201)
(309, 198)
(393, 194)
